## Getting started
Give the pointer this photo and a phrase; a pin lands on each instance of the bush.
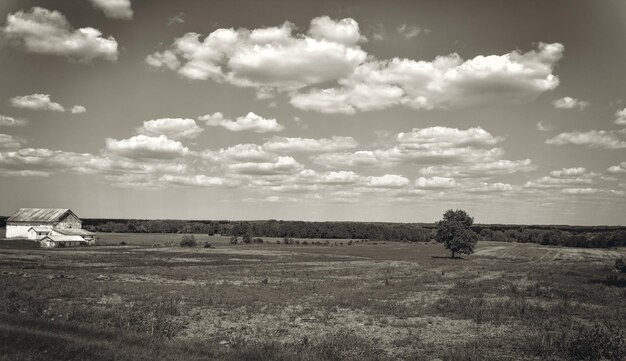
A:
(233, 240)
(122, 243)
(247, 238)
(594, 343)
(620, 266)
(287, 240)
(258, 240)
(207, 244)
(188, 241)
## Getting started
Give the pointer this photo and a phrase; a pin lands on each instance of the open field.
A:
(367, 301)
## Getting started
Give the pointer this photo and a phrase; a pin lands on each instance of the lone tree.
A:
(455, 233)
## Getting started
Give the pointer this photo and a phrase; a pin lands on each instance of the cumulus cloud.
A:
(497, 187)
(269, 57)
(44, 31)
(435, 183)
(250, 122)
(448, 137)
(282, 165)
(620, 168)
(487, 169)
(7, 121)
(358, 159)
(10, 142)
(570, 103)
(580, 190)
(145, 147)
(173, 128)
(241, 153)
(198, 180)
(446, 82)
(568, 172)
(620, 117)
(36, 102)
(592, 139)
(543, 127)
(39, 162)
(115, 9)
(387, 181)
(78, 109)
(310, 145)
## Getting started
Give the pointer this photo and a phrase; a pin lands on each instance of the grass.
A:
(366, 301)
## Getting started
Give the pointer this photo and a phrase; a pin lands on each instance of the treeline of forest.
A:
(558, 235)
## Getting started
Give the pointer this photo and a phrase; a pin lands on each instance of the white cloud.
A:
(410, 31)
(497, 187)
(487, 169)
(115, 9)
(359, 159)
(620, 117)
(48, 32)
(591, 139)
(387, 181)
(620, 168)
(145, 147)
(251, 122)
(36, 102)
(198, 180)
(244, 153)
(282, 165)
(270, 57)
(345, 31)
(310, 145)
(173, 128)
(165, 59)
(40, 162)
(568, 172)
(78, 109)
(570, 103)
(446, 82)
(7, 121)
(580, 190)
(10, 142)
(448, 137)
(341, 177)
(435, 183)
(542, 127)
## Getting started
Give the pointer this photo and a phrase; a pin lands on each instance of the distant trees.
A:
(455, 233)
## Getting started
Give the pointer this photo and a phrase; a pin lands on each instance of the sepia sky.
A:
(328, 110)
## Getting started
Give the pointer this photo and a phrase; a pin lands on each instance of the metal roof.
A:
(73, 232)
(64, 238)
(41, 229)
(44, 215)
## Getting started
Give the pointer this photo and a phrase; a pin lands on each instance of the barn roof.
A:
(40, 229)
(44, 215)
(63, 238)
(73, 232)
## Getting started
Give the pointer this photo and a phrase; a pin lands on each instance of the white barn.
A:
(51, 223)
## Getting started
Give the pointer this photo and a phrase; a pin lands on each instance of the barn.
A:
(51, 223)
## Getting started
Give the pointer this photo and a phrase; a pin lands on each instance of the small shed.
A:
(55, 241)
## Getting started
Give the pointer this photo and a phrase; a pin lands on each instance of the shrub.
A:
(305, 243)
(233, 240)
(258, 240)
(188, 241)
(287, 240)
(207, 244)
(247, 238)
(620, 266)
(122, 243)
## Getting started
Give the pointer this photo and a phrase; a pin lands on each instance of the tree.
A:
(455, 233)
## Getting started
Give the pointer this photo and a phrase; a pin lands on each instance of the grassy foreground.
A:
(366, 301)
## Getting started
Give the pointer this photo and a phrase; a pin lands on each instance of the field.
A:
(366, 301)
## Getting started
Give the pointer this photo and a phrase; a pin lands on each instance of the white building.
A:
(50, 226)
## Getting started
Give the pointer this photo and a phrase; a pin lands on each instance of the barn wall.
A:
(71, 221)
(18, 231)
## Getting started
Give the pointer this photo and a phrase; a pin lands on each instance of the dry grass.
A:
(301, 302)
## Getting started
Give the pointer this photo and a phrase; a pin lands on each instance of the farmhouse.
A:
(51, 227)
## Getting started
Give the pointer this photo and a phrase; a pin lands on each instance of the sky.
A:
(395, 111)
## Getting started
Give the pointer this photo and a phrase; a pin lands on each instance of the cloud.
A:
(39, 162)
(565, 177)
(448, 137)
(580, 190)
(497, 187)
(78, 109)
(270, 57)
(620, 168)
(251, 122)
(570, 103)
(620, 117)
(568, 172)
(36, 102)
(344, 31)
(282, 165)
(310, 145)
(358, 159)
(173, 128)
(7, 121)
(590, 139)
(244, 153)
(387, 181)
(145, 147)
(487, 169)
(10, 142)
(199, 180)
(542, 127)
(435, 183)
(114, 9)
(410, 31)
(446, 82)
(44, 31)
